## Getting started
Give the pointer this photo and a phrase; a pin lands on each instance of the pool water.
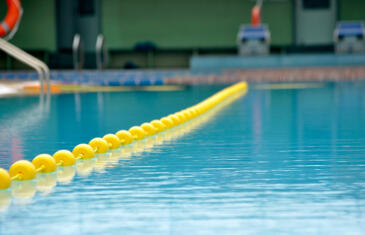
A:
(275, 161)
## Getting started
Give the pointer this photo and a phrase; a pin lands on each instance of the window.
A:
(316, 4)
(86, 7)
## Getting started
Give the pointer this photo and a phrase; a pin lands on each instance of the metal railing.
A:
(101, 53)
(41, 68)
(78, 52)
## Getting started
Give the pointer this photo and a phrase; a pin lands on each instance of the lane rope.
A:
(24, 170)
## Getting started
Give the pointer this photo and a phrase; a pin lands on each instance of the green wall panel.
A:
(169, 23)
(279, 16)
(37, 29)
(352, 10)
(189, 23)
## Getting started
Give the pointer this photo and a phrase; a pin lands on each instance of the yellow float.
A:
(24, 170)
(44, 163)
(83, 151)
(64, 158)
(167, 122)
(99, 145)
(137, 132)
(175, 119)
(149, 128)
(158, 125)
(113, 141)
(125, 137)
(4, 179)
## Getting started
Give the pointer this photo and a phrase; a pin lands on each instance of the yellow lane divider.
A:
(24, 170)
(24, 190)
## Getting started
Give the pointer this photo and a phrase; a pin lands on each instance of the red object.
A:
(12, 17)
(256, 16)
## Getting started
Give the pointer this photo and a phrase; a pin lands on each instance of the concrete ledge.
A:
(186, 77)
(218, 63)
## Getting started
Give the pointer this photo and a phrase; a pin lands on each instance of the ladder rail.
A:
(19, 54)
(77, 52)
(101, 52)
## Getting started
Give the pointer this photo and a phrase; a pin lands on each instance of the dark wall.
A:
(177, 27)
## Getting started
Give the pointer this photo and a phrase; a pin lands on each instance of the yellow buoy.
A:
(99, 145)
(22, 170)
(44, 163)
(200, 108)
(158, 125)
(64, 158)
(137, 132)
(83, 151)
(112, 140)
(4, 179)
(186, 114)
(167, 122)
(175, 119)
(125, 137)
(181, 117)
(193, 111)
(190, 113)
(149, 128)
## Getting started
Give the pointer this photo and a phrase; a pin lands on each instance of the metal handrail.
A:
(101, 52)
(41, 68)
(78, 52)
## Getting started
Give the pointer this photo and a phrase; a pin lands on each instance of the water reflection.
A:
(31, 128)
(16, 124)
(24, 191)
(65, 174)
(278, 161)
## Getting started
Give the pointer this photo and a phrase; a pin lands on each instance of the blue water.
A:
(281, 161)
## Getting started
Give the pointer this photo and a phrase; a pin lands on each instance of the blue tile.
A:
(129, 83)
(145, 82)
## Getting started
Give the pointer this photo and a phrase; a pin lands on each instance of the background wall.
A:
(189, 23)
(179, 28)
(352, 9)
(173, 24)
(37, 30)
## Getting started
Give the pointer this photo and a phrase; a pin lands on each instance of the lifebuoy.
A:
(256, 12)
(12, 17)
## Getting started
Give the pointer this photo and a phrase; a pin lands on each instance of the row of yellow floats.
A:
(45, 163)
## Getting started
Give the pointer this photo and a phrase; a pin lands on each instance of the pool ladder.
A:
(78, 52)
(101, 53)
(41, 68)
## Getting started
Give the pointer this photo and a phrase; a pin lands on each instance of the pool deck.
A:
(204, 70)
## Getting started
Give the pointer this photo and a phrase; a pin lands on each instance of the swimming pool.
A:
(285, 158)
